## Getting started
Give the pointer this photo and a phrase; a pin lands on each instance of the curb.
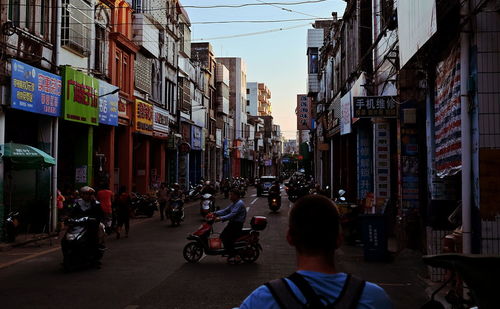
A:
(38, 237)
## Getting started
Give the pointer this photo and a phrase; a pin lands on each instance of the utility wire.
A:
(145, 10)
(250, 34)
(285, 9)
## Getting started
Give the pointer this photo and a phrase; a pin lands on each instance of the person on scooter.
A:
(177, 195)
(236, 214)
(274, 192)
(314, 232)
(88, 206)
(208, 188)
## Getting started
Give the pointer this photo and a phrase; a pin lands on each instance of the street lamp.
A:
(112, 92)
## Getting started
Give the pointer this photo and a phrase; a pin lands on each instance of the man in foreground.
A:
(314, 231)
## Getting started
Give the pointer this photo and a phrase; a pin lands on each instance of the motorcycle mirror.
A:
(342, 199)
(341, 192)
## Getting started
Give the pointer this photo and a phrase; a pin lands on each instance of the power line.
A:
(285, 9)
(250, 34)
(145, 10)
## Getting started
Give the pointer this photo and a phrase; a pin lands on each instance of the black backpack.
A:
(286, 298)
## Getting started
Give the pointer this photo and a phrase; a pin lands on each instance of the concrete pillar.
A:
(125, 144)
(142, 166)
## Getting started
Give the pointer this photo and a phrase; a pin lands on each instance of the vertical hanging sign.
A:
(382, 160)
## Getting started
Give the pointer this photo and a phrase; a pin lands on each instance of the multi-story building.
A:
(237, 109)
(258, 99)
(224, 121)
(203, 54)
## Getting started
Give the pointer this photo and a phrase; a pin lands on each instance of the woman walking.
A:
(122, 211)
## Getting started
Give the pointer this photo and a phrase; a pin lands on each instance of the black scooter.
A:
(79, 246)
(12, 226)
(176, 212)
(274, 201)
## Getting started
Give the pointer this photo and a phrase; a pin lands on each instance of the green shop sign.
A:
(81, 97)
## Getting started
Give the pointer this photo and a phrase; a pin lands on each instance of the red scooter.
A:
(205, 242)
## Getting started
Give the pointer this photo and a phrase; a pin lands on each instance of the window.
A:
(386, 9)
(100, 49)
(248, 102)
(118, 69)
(313, 61)
(248, 91)
(125, 74)
(15, 12)
(75, 26)
(169, 95)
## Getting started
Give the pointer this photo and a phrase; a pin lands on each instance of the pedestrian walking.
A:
(105, 197)
(123, 208)
(163, 198)
(314, 232)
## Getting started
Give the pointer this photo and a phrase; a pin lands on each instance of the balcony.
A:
(145, 34)
(222, 105)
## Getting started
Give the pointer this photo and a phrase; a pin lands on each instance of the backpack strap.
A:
(313, 300)
(350, 294)
(283, 294)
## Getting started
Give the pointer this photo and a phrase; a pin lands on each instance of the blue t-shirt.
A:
(325, 285)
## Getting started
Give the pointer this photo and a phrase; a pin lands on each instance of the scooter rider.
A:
(177, 195)
(274, 191)
(208, 188)
(88, 206)
(235, 214)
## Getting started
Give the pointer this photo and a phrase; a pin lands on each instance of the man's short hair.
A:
(314, 225)
(236, 191)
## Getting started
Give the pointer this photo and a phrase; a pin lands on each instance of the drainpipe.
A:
(466, 131)
(55, 124)
(2, 142)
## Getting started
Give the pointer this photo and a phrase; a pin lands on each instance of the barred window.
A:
(76, 25)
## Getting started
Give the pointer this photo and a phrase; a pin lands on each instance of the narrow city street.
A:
(147, 269)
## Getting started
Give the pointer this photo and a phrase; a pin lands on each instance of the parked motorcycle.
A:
(79, 246)
(12, 225)
(204, 241)
(297, 190)
(480, 274)
(143, 205)
(176, 212)
(349, 213)
(207, 204)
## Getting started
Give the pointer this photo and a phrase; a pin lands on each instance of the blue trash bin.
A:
(374, 237)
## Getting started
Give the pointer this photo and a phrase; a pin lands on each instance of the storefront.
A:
(104, 136)
(35, 103)
(196, 160)
(158, 158)
(143, 127)
(76, 133)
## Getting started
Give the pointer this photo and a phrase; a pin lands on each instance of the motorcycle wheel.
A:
(192, 252)
(250, 254)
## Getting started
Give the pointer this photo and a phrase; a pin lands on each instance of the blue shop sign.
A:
(225, 148)
(108, 104)
(196, 138)
(34, 90)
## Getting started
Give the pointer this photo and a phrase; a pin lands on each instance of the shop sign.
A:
(303, 112)
(196, 142)
(382, 160)
(218, 137)
(364, 162)
(225, 148)
(369, 107)
(447, 118)
(143, 117)
(345, 116)
(34, 90)
(108, 104)
(122, 109)
(81, 97)
(160, 124)
(81, 174)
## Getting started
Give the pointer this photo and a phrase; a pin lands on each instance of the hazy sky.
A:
(278, 58)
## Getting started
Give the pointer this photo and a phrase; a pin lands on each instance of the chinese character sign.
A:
(143, 117)
(34, 90)
(303, 112)
(81, 97)
(371, 107)
(108, 104)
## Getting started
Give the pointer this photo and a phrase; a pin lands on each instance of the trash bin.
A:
(374, 237)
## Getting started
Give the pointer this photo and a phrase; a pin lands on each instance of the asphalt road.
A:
(147, 270)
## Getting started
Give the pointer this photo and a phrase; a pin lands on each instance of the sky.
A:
(277, 58)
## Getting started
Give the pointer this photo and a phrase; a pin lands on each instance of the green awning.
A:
(25, 157)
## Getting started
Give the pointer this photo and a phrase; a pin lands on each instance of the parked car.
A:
(265, 182)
